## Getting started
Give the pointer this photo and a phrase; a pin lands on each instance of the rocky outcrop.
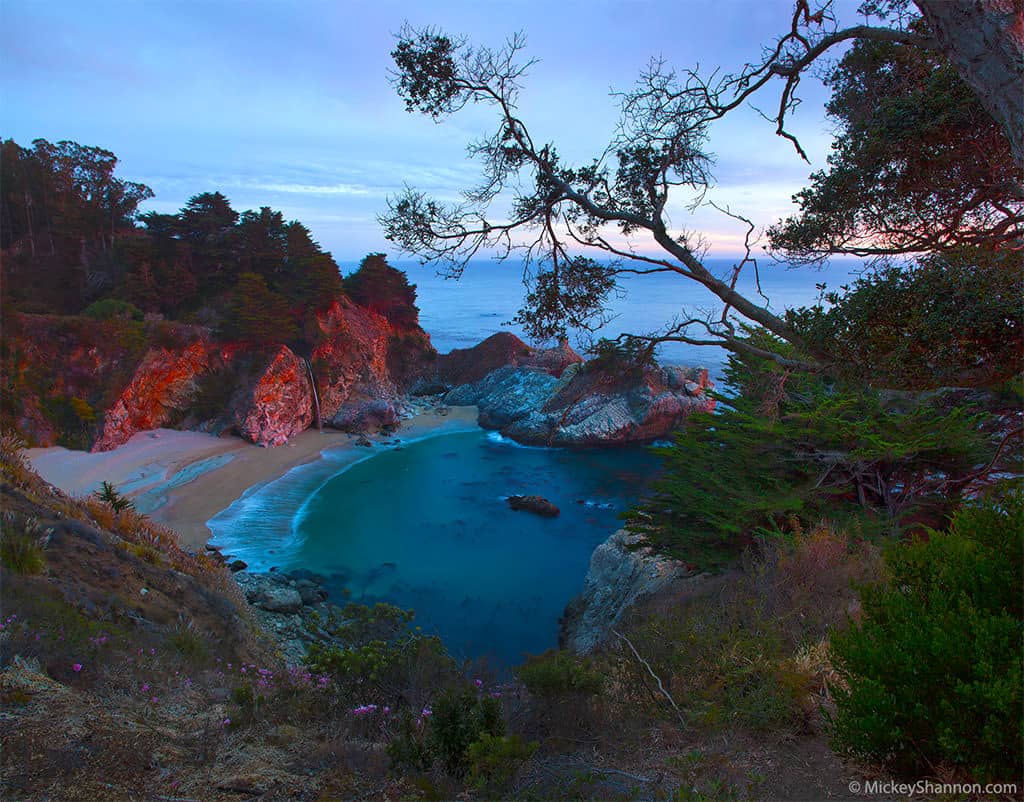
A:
(506, 395)
(622, 572)
(468, 365)
(538, 505)
(362, 365)
(360, 416)
(290, 607)
(586, 406)
(279, 404)
(164, 382)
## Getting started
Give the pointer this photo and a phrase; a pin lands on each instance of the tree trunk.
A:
(985, 40)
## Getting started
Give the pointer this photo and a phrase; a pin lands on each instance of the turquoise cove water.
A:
(426, 526)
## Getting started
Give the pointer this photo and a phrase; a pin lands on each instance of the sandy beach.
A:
(182, 479)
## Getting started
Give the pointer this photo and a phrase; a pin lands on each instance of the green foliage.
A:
(444, 732)
(111, 308)
(933, 674)
(620, 357)
(21, 552)
(381, 654)
(493, 760)
(257, 314)
(380, 287)
(559, 673)
(73, 417)
(953, 320)
(818, 451)
(917, 165)
(748, 653)
(564, 295)
(112, 497)
(459, 719)
(189, 643)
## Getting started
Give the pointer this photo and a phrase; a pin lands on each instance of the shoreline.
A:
(160, 468)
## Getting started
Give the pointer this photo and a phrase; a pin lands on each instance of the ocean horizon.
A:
(460, 313)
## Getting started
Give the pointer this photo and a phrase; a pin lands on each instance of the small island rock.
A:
(534, 504)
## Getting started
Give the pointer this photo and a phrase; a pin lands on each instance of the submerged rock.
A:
(535, 504)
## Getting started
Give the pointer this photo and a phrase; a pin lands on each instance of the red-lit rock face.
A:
(279, 404)
(361, 359)
(164, 383)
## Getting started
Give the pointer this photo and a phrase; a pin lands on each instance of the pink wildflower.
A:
(76, 667)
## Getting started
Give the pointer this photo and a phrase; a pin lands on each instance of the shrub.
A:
(112, 497)
(111, 309)
(21, 553)
(933, 672)
(444, 732)
(620, 357)
(494, 759)
(382, 661)
(559, 673)
(189, 644)
(459, 719)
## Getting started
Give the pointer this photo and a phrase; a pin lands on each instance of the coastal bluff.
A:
(109, 380)
(623, 572)
(550, 398)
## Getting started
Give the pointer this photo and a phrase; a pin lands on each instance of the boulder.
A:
(535, 504)
(280, 599)
(360, 416)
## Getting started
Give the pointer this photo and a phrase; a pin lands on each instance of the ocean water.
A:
(427, 527)
(458, 314)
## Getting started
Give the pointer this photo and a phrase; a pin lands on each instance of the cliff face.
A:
(91, 383)
(164, 382)
(280, 403)
(622, 572)
(364, 362)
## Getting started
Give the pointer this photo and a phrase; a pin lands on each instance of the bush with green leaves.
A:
(374, 657)
(559, 673)
(494, 759)
(777, 453)
(21, 551)
(932, 674)
(624, 355)
(444, 732)
(113, 498)
(111, 309)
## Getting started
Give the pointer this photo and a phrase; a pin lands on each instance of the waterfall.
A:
(316, 397)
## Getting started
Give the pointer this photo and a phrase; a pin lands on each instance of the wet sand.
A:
(182, 479)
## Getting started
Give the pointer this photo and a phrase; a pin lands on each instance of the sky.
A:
(287, 104)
